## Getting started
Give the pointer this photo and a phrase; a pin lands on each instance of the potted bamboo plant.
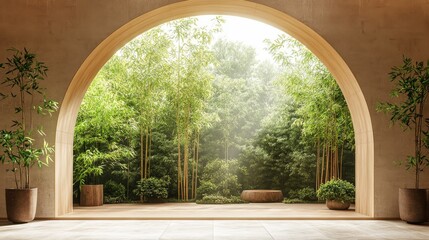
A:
(19, 150)
(412, 88)
(88, 167)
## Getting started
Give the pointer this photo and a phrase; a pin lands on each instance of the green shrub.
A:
(236, 199)
(336, 189)
(293, 194)
(213, 199)
(206, 188)
(229, 186)
(217, 199)
(153, 188)
(292, 200)
(114, 192)
(219, 178)
(307, 194)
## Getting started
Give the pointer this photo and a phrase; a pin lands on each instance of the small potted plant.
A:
(412, 89)
(22, 145)
(337, 193)
(88, 167)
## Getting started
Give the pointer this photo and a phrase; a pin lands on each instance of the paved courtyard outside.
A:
(188, 211)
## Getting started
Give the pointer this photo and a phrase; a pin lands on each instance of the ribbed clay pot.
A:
(337, 205)
(21, 205)
(412, 205)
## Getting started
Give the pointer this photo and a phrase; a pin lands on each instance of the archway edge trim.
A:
(314, 42)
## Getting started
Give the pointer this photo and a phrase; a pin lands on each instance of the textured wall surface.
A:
(369, 35)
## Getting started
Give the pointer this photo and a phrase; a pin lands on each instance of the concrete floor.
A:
(192, 211)
(212, 229)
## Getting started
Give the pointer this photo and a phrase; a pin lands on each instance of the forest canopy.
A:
(182, 109)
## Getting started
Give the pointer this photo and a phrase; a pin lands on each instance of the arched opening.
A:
(336, 65)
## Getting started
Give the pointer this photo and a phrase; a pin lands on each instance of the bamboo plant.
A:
(22, 74)
(412, 89)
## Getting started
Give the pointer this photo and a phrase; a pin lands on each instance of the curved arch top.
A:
(314, 42)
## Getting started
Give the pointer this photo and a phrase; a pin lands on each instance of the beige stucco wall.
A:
(370, 35)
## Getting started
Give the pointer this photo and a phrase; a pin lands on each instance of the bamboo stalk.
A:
(141, 154)
(317, 164)
(149, 152)
(322, 169)
(341, 161)
(146, 152)
(196, 162)
(327, 163)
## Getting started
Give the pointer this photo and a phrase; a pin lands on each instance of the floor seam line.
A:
(163, 232)
(263, 225)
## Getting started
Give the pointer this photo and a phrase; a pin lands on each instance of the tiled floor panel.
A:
(212, 229)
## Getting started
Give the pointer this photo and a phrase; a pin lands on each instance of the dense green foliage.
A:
(104, 135)
(219, 178)
(114, 192)
(336, 189)
(207, 114)
(322, 109)
(217, 199)
(306, 194)
(293, 201)
(153, 188)
(278, 159)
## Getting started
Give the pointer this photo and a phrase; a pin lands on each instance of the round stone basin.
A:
(262, 196)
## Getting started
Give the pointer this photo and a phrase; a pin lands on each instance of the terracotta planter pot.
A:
(337, 205)
(91, 195)
(21, 205)
(412, 205)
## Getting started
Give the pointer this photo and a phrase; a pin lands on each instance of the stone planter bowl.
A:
(262, 196)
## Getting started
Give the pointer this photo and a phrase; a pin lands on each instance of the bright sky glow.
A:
(248, 31)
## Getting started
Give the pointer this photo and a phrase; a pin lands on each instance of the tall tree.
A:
(324, 113)
(242, 97)
(192, 88)
(148, 73)
(234, 59)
